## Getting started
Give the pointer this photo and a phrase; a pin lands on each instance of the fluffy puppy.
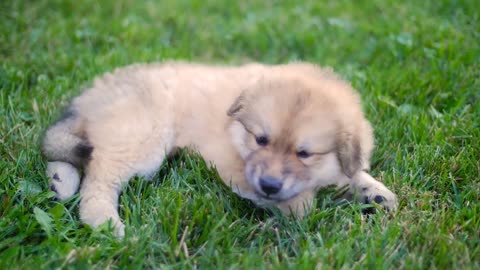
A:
(276, 134)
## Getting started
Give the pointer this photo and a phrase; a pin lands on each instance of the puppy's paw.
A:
(63, 179)
(97, 212)
(379, 195)
(117, 225)
(119, 230)
(106, 224)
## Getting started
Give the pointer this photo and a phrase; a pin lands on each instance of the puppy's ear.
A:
(349, 153)
(237, 106)
(245, 97)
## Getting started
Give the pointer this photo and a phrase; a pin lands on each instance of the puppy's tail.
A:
(67, 149)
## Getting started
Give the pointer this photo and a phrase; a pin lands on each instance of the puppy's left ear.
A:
(349, 153)
(237, 105)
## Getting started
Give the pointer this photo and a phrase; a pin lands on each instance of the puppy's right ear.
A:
(237, 106)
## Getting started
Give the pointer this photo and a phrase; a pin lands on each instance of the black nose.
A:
(270, 185)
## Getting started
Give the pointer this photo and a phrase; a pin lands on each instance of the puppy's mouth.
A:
(271, 191)
(273, 198)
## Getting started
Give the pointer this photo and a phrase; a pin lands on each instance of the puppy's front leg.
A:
(99, 198)
(368, 190)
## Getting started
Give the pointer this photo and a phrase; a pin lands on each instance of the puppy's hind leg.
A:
(368, 190)
(67, 150)
(115, 160)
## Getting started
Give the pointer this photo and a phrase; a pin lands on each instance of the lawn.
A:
(415, 63)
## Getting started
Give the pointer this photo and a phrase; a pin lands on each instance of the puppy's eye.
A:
(262, 140)
(303, 154)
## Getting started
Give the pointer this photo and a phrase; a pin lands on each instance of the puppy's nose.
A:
(270, 185)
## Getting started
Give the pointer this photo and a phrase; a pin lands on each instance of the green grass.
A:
(416, 64)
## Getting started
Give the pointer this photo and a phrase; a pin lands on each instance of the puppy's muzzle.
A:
(270, 185)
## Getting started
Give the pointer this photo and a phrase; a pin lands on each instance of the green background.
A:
(415, 63)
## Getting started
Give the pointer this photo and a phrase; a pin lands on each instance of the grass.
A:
(416, 64)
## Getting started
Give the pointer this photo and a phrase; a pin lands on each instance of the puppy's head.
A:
(298, 133)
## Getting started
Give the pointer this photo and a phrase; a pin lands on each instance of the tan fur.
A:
(135, 116)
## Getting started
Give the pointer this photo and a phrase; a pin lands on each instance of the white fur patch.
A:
(64, 179)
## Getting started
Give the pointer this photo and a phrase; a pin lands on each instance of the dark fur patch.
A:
(53, 188)
(372, 210)
(379, 199)
(369, 211)
(366, 200)
(56, 178)
(83, 151)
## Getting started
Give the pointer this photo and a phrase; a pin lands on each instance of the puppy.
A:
(276, 134)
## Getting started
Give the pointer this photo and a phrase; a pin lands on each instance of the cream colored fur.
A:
(135, 116)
